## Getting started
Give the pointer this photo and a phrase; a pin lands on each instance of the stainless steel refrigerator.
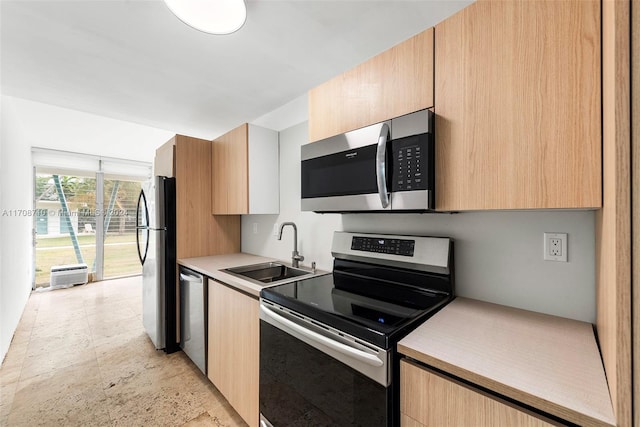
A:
(156, 239)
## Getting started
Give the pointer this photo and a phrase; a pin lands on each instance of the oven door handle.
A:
(381, 165)
(338, 346)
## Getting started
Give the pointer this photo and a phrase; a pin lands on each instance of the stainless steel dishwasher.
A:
(193, 315)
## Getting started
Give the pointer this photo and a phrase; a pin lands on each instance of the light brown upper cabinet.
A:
(518, 106)
(245, 173)
(396, 82)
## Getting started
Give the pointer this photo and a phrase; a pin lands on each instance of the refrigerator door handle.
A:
(142, 202)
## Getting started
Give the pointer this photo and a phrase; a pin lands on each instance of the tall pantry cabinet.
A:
(198, 232)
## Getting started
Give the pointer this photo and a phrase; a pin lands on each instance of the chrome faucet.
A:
(295, 256)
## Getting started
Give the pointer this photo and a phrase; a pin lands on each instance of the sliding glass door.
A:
(65, 220)
(120, 253)
(85, 213)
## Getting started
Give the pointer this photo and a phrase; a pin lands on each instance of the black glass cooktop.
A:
(377, 311)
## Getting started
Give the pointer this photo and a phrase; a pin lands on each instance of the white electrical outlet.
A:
(555, 247)
(255, 228)
(276, 229)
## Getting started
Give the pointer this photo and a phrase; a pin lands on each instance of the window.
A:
(86, 215)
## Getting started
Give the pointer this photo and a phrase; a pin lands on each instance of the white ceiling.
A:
(134, 60)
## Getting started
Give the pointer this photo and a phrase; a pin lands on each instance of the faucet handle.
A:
(295, 259)
(313, 267)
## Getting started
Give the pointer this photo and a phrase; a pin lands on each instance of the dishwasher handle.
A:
(189, 278)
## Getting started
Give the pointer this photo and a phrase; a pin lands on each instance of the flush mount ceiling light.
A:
(210, 16)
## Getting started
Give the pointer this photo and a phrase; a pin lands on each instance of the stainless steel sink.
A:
(267, 272)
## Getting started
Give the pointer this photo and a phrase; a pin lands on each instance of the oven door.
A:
(347, 172)
(311, 375)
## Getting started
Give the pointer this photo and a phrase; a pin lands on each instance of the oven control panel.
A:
(383, 246)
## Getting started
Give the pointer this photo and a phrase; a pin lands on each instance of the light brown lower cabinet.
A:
(430, 399)
(233, 348)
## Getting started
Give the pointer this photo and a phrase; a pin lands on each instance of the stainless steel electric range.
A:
(327, 343)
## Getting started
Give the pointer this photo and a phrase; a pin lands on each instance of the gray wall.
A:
(498, 255)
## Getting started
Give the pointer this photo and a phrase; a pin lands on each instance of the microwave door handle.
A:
(381, 165)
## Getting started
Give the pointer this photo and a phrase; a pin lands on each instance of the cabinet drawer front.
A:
(429, 399)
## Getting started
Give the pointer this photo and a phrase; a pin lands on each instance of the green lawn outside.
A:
(120, 255)
(83, 239)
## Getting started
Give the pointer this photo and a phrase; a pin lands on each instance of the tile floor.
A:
(80, 357)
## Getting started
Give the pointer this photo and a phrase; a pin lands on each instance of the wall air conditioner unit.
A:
(68, 275)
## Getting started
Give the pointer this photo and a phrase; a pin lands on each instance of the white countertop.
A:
(211, 266)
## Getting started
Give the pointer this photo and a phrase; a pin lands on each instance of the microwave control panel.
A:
(410, 163)
(383, 246)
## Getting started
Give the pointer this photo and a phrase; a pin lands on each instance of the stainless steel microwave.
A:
(384, 167)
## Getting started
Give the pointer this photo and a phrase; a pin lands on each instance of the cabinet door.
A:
(517, 103)
(428, 399)
(396, 82)
(233, 348)
(230, 183)
(193, 196)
